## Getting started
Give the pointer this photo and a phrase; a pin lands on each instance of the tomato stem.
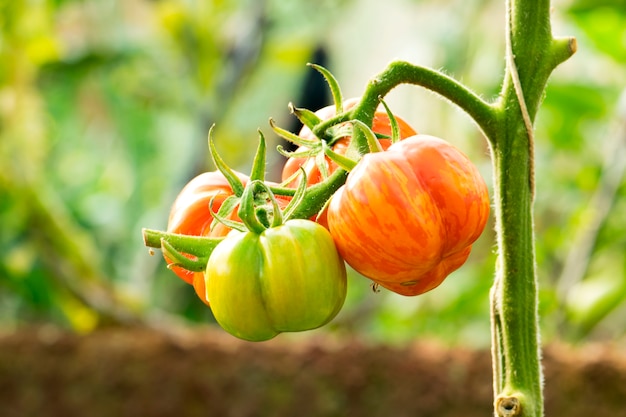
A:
(401, 72)
(531, 56)
(317, 195)
(198, 246)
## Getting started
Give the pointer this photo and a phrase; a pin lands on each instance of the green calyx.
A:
(257, 174)
(259, 209)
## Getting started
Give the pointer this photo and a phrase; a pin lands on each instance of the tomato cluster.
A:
(405, 218)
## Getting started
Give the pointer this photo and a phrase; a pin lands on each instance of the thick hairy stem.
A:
(400, 72)
(532, 54)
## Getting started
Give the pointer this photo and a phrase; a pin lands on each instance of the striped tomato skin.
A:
(407, 217)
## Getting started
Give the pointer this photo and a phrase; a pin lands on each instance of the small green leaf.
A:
(395, 129)
(298, 154)
(292, 137)
(334, 86)
(297, 198)
(372, 142)
(322, 164)
(291, 178)
(279, 190)
(194, 264)
(306, 117)
(231, 177)
(228, 206)
(342, 161)
(258, 164)
(220, 215)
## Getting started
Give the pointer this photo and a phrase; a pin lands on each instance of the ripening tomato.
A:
(407, 217)
(288, 278)
(380, 125)
(190, 215)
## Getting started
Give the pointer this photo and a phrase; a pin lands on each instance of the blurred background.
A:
(105, 108)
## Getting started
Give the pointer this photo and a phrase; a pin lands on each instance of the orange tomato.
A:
(190, 215)
(407, 217)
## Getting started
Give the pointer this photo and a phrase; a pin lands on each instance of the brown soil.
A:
(143, 372)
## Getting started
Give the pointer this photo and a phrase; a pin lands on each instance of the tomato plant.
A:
(287, 277)
(406, 218)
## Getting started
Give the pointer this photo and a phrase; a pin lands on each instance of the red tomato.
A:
(380, 124)
(190, 215)
(407, 217)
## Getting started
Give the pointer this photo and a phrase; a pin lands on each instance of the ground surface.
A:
(143, 372)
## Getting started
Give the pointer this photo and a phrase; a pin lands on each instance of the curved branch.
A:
(401, 72)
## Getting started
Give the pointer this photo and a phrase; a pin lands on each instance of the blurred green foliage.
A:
(105, 107)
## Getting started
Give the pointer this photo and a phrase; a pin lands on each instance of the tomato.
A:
(380, 125)
(407, 217)
(288, 278)
(190, 215)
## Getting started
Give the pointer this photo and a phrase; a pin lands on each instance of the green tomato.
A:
(288, 278)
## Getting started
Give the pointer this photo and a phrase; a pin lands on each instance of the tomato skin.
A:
(380, 124)
(289, 278)
(407, 217)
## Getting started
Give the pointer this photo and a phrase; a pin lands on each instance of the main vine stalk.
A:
(532, 53)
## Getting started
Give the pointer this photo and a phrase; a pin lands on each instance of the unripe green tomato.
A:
(288, 278)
